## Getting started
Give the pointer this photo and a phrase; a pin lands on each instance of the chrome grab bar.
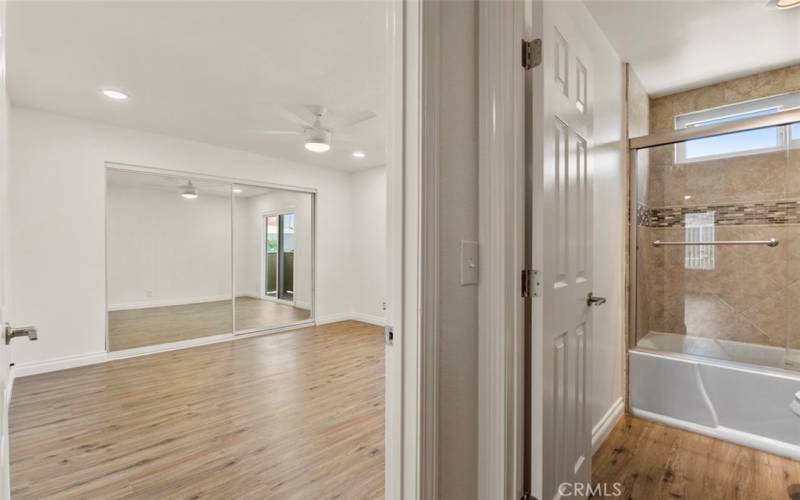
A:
(772, 242)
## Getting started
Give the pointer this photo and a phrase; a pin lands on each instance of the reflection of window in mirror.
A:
(279, 256)
(699, 227)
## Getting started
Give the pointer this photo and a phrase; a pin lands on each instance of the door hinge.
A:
(531, 53)
(531, 283)
(388, 335)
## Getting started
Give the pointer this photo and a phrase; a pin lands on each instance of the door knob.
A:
(21, 331)
(591, 300)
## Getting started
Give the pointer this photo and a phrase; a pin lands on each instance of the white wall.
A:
(369, 243)
(249, 234)
(458, 308)
(56, 265)
(610, 236)
(166, 250)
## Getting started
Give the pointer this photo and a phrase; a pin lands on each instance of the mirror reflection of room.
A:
(273, 253)
(168, 259)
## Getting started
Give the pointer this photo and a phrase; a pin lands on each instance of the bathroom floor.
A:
(652, 461)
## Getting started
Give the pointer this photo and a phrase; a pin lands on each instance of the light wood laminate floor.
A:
(132, 328)
(653, 461)
(293, 415)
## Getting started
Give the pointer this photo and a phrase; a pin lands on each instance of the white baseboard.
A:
(333, 318)
(603, 428)
(147, 304)
(52, 365)
(364, 318)
(368, 318)
(726, 434)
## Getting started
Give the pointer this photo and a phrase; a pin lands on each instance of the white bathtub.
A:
(745, 404)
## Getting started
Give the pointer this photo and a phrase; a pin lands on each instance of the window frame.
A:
(774, 104)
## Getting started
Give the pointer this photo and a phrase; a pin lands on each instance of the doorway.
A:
(278, 256)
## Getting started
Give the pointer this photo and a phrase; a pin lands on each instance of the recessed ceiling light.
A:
(359, 154)
(787, 4)
(237, 190)
(687, 197)
(115, 94)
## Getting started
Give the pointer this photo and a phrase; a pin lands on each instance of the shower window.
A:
(748, 142)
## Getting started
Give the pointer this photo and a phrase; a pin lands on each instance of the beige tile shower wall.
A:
(752, 293)
(638, 108)
(639, 124)
(779, 81)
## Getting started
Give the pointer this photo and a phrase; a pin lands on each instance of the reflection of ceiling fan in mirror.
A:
(317, 132)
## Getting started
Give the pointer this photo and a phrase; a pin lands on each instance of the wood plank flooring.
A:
(653, 461)
(132, 328)
(293, 415)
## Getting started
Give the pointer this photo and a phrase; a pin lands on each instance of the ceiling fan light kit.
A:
(189, 191)
(318, 140)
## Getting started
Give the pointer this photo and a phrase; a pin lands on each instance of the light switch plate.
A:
(469, 262)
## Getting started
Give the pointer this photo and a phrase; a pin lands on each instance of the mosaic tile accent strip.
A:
(756, 213)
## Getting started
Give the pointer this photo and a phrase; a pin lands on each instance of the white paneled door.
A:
(560, 102)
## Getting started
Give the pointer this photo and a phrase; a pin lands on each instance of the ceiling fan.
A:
(317, 133)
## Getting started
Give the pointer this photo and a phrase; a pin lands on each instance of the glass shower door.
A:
(718, 248)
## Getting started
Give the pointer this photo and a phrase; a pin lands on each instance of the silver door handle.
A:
(591, 300)
(20, 331)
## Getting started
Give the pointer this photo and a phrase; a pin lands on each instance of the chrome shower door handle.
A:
(591, 300)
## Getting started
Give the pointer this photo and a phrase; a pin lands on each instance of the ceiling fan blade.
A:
(302, 116)
(276, 132)
(353, 119)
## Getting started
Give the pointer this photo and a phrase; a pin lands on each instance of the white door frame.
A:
(501, 343)
(262, 291)
(412, 85)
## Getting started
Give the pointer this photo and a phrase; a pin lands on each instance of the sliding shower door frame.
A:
(141, 169)
(781, 118)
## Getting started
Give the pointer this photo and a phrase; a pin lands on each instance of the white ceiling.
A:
(677, 45)
(210, 71)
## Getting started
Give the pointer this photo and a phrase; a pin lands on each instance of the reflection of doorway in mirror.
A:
(279, 250)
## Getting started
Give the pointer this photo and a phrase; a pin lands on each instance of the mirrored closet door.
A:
(189, 258)
(168, 259)
(273, 257)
